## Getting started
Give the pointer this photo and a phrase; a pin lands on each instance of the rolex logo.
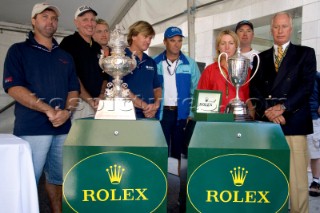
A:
(238, 175)
(115, 173)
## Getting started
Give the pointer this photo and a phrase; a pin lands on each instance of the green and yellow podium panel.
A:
(115, 166)
(238, 167)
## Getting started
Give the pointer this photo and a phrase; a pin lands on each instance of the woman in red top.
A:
(211, 79)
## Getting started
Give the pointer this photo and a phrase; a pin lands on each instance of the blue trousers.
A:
(174, 132)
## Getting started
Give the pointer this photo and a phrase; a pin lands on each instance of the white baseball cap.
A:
(40, 7)
(83, 9)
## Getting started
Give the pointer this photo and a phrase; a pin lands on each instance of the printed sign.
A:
(115, 181)
(235, 182)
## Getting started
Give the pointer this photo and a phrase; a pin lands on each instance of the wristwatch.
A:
(283, 107)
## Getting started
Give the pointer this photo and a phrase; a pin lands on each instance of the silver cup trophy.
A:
(117, 104)
(238, 67)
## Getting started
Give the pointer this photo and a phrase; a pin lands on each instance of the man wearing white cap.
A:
(85, 52)
(41, 77)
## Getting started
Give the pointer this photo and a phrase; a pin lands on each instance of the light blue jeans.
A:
(47, 156)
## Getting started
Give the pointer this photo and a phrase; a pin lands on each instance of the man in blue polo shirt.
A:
(41, 77)
(143, 82)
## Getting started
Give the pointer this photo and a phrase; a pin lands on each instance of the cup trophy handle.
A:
(252, 55)
(221, 72)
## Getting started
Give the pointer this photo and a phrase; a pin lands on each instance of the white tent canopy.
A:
(125, 12)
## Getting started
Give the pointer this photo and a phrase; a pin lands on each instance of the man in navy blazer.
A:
(282, 96)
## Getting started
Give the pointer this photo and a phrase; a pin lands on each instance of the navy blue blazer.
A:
(291, 86)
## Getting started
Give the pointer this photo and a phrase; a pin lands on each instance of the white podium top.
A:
(18, 189)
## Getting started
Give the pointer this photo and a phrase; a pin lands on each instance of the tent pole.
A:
(191, 28)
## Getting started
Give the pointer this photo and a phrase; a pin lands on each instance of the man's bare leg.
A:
(55, 197)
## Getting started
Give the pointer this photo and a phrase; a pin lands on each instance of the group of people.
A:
(53, 82)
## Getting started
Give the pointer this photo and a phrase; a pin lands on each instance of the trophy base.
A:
(115, 109)
(239, 110)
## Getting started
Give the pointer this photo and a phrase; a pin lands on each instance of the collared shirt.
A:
(187, 77)
(49, 74)
(86, 58)
(169, 80)
(143, 79)
(284, 46)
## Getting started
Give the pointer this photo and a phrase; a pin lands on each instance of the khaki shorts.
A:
(84, 110)
(314, 140)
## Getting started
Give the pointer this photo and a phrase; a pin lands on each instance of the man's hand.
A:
(274, 114)
(51, 113)
(150, 110)
(93, 103)
(60, 117)
(96, 103)
(279, 120)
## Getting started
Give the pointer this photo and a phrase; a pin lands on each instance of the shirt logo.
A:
(149, 67)
(63, 61)
(8, 80)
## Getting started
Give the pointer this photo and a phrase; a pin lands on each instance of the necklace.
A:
(169, 66)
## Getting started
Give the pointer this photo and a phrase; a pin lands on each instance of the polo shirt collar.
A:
(34, 43)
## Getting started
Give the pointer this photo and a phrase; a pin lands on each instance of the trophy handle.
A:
(252, 55)
(221, 71)
(133, 61)
(101, 58)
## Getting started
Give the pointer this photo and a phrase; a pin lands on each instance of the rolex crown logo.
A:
(238, 175)
(115, 174)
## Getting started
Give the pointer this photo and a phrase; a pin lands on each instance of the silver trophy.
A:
(117, 103)
(238, 67)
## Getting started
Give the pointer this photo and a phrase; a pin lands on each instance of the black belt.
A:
(172, 108)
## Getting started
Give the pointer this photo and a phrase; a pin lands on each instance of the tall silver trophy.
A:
(238, 68)
(117, 104)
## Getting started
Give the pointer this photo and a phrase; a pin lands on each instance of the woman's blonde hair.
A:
(140, 27)
(219, 38)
